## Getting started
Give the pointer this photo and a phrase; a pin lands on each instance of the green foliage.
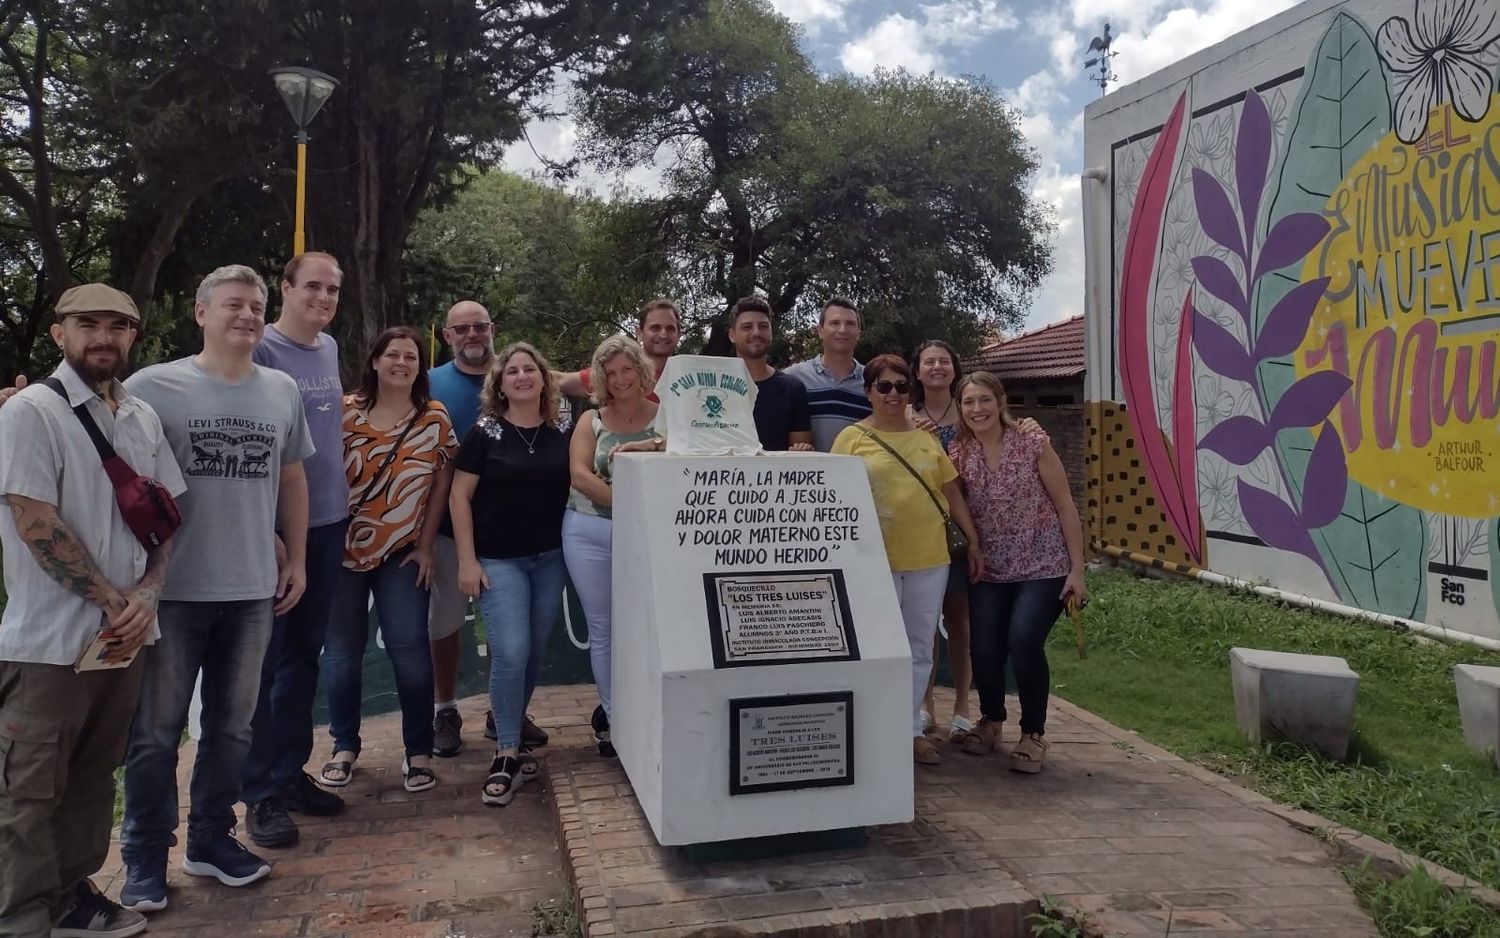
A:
(1159, 661)
(521, 248)
(908, 193)
(1055, 920)
(556, 917)
(1418, 906)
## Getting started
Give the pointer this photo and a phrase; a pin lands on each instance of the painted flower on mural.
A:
(1447, 55)
(1215, 405)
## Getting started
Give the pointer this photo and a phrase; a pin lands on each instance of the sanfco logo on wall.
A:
(706, 388)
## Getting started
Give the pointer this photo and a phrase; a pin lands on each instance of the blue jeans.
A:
(1011, 621)
(401, 609)
(520, 606)
(283, 728)
(226, 641)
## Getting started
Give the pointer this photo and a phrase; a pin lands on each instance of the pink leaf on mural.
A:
(1184, 450)
(1142, 245)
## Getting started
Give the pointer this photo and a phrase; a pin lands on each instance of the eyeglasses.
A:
(886, 387)
(464, 328)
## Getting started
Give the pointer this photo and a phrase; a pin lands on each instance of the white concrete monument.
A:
(761, 671)
(1308, 699)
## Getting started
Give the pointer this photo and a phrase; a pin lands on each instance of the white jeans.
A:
(586, 549)
(920, 594)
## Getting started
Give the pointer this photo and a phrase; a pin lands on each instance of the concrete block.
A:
(1307, 699)
(1479, 707)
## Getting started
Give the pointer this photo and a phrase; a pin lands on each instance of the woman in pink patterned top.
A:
(1033, 561)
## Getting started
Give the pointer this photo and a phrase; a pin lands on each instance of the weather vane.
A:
(1100, 55)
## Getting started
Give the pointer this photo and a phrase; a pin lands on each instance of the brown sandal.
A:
(983, 739)
(924, 752)
(1029, 755)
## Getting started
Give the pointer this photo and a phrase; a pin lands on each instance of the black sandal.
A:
(418, 777)
(343, 766)
(506, 775)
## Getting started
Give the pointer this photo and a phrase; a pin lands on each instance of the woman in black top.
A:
(510, 486)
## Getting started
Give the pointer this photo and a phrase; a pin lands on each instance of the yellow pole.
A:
(297, 240)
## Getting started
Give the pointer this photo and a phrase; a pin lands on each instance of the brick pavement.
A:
(1115, 827)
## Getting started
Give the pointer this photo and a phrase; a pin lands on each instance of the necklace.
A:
(531, 443)
(939, 418)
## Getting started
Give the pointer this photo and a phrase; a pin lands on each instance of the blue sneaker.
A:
(226, 860)
(145, 888)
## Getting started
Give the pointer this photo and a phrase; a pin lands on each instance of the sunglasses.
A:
(464, 328)
(886, 387)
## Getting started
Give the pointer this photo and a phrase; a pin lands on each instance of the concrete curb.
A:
(1349, 845)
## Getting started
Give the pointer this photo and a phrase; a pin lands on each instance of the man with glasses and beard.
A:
(73, 568)
(457, 384)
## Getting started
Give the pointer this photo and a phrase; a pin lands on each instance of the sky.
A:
(1032, 50)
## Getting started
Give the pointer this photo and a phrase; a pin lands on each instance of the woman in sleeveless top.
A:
(1032, 544)
(621, 377)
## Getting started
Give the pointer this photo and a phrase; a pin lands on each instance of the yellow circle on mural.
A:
(1412, 315)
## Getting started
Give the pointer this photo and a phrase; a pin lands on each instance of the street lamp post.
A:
(304, 90)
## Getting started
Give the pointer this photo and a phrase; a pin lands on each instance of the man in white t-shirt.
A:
(73, 566)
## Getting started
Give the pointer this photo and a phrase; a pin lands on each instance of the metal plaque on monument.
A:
(761, 671)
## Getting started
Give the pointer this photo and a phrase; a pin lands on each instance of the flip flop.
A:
(418, 777)
(346, 766)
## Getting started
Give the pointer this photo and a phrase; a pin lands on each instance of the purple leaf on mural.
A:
(1285, 326)
(1290, 240)
(1326, 481)
(1215, 276)
(1252, 157)
(1238, 439)
(1274, 521)
(1220, 350)
(1215, 213)
(1309, 400)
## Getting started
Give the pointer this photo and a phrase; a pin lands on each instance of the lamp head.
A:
(304, 90)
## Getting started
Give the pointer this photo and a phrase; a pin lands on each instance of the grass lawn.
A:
(1159, 664)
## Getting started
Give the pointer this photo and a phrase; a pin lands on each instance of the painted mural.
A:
(1306, 320)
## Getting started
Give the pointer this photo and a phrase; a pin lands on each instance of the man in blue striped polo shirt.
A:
(835, 381)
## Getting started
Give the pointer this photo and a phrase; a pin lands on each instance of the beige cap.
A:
(97, 298)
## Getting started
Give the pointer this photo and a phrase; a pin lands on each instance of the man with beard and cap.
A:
(73, 567)
(782, 419)
(658, 328)
(457, 384)
(282, 732)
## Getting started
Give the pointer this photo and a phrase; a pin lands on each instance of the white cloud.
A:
(812, 15)
(899, 41)
(894, 42)
(1149, 35)
(1185, 30)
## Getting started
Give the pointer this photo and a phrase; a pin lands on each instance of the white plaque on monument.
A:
(790, 742)
(779, 617)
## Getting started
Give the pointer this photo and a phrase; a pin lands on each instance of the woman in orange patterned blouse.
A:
(398, 450)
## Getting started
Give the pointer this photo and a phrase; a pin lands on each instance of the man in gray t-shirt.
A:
(239, 432)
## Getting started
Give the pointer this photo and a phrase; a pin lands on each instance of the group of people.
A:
(417, 492)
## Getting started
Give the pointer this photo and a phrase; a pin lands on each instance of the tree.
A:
(522, 249)
(52, 180)
(163, 113)
(907, 192)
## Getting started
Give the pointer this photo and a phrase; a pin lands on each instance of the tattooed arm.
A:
(60, 554)
(132, 624)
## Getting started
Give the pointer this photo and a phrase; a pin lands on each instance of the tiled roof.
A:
(1054, 351)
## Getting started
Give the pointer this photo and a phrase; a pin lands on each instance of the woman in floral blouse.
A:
(1032, 542)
